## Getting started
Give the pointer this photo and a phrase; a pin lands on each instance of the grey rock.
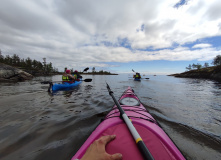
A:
(9, 73)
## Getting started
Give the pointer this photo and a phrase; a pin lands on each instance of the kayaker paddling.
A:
(68, 81)
(77, 75)
(67, 77)
(137, 76)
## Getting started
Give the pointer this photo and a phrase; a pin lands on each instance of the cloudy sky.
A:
(160, 36)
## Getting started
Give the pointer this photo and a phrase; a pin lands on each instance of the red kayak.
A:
(153, 137)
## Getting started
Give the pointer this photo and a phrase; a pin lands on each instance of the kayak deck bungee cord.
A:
(139, 138)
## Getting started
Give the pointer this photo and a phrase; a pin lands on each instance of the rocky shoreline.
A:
(9, 73)
(213, 73)
(12, 74)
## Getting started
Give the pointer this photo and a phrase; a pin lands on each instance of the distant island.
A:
(205, 72)
(93, 73)
(100, 73)
(213, 73)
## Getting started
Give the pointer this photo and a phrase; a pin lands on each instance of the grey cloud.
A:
(99, 17)
(195, 8)
(154, 29)
(16, 15)
(214, 11)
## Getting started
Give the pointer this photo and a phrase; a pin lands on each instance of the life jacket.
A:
(65, 78)
(137, 76)
(75, 76)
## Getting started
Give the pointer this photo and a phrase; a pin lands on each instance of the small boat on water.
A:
(65, 85)
(55, 86)
(152, 136)
(137, 77)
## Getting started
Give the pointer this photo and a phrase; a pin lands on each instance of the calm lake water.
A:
(37, 125)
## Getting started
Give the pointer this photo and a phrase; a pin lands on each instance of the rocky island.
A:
(213, 73)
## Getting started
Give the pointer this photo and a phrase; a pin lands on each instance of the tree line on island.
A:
(99, 72)
(216, 62)
(35, 67)
(29, 65)
(93, 72)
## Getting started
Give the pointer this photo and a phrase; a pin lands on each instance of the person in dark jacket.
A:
(77, 75)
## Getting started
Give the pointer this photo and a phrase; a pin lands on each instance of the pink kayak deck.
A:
(156, 140)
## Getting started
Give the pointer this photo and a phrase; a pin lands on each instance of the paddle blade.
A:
(133, 70)
(45, 82)
(86, 69)
(87, 80)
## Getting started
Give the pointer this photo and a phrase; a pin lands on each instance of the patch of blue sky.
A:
(180, 3)
(174, 45)
(141, 28)
(121, 42)
(213, 41)
(124, 42)
(154, 67)
(107, 43)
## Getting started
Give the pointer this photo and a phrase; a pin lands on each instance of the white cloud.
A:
(202, 45)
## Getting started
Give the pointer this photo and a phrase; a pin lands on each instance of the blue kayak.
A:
(65, 85)
(137, 79)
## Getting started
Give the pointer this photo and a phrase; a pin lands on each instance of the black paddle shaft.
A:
(115, 101)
